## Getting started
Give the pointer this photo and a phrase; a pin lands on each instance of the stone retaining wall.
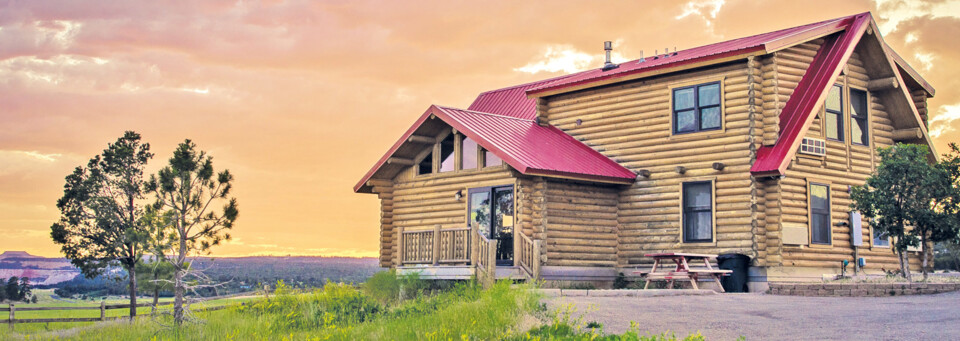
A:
(860, 289)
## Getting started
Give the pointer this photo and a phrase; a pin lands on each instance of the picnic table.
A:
(683, 271)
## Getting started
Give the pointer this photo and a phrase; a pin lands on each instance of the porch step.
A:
(510, 272)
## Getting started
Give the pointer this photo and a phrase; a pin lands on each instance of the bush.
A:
(620, 282)
(383, 286)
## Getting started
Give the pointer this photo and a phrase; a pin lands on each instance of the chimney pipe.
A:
(608, 65)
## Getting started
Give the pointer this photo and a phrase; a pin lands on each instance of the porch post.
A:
(400, 246)
(474, 245)
(436, 245)
(536, 259)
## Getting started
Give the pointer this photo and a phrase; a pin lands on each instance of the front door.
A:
(491, 209)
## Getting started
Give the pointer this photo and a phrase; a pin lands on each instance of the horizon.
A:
(299, 100)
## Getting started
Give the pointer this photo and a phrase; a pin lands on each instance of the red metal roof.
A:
(761, 44)
(809, 94)
(534, 149)
(511, 101)
(526, 146)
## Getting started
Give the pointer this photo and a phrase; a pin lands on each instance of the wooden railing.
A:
(435, 246)
(103, 307)
(454, 245)
(528, 256)
(485, 256)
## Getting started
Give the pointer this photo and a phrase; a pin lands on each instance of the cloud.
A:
(706, 9)
(946, 115)
(568, 59)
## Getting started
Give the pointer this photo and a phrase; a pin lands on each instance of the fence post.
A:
(10, 322)
(103, 310)
(436, 245)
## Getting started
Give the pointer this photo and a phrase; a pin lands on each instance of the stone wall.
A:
(860, 289)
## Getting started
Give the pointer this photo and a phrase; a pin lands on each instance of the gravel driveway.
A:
(772, 317)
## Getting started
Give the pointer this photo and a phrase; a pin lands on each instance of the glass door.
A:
(491, 209)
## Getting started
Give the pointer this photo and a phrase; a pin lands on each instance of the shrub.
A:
(383, 286)
(620, 282)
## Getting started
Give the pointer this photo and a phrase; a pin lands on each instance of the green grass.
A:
(45, 299)
(343, 312)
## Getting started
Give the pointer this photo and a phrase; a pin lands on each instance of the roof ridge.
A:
(484, 113)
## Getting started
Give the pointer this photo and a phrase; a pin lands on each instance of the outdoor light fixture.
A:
(458, 195)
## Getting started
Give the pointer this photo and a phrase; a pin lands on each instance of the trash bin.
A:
(737, 280)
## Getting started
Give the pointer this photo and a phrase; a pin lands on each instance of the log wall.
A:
(845, 164)
(631, 123)
(582, 228)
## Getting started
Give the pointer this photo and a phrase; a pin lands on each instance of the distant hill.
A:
(40, 270)
(241, 272)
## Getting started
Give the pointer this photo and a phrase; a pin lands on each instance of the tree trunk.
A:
(179, 288)
(905, 265)
(131, 272)
(923, 256)
(156, 293)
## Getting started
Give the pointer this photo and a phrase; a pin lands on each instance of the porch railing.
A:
(528, 256)
(435, 246)
(485, 256)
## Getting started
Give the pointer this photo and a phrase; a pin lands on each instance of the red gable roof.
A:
(810, 92)
(526, 146)
(759, 44)
(511, 101)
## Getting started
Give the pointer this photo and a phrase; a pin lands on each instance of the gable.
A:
(523, 144)
(800, 110)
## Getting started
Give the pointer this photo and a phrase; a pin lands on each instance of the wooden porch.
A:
(463, 253)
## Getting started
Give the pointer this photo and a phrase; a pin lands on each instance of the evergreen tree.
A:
(23, 291)
(189, 189)
(12, 288)
(101, 223)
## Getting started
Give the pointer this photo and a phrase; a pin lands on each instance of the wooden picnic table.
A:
(682, 270)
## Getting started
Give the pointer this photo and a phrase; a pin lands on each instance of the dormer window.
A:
(696, 108)
(833, 119)
(447, 159)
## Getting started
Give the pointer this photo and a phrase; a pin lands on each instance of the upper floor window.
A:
(819, 196)
(426, 165)
(859, 132)
(469, 149)
(447, 160)
(490, 159)
(833, 119)
(697, 212)
(696, 108)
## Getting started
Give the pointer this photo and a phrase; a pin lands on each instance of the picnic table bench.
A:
(683, 271)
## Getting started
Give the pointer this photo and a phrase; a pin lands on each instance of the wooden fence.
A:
(13, 309)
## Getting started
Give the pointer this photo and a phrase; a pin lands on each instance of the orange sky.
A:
(298, 99)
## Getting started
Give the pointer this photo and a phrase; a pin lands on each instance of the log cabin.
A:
(748, 146)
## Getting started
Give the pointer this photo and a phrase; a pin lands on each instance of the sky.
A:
(298, 99)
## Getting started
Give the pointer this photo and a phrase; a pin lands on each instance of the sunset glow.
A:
(298, 99)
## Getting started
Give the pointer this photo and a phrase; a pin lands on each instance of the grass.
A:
(395, 308)
(45, 298)
(917, 278)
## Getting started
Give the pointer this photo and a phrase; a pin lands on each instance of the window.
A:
(858, 117)
(446, 154)
(490, 160)
(879, 238)
(426, 165)
(469, 149)
(696, 108)
(697, 212)
(833, 120)
(819, 214)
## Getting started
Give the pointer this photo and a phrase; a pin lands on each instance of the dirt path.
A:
(771, 317)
